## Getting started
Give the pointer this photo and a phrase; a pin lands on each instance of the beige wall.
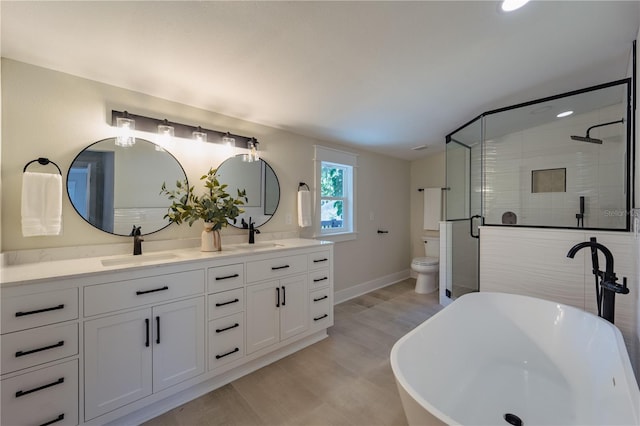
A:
(55, 115)
(428, 172)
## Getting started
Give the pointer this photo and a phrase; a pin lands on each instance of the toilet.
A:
(427, 267)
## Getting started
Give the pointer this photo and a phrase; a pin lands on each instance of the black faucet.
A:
(252, 232)
(606, 291)
(136, 233)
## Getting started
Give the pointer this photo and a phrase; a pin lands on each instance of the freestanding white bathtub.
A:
(499, 359)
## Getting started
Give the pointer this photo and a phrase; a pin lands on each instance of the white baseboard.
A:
(363, 288)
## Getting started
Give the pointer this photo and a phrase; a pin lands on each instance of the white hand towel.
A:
(304, 209)
(41, 204)
(432, 208)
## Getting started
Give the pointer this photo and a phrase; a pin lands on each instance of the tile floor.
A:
(345, 379)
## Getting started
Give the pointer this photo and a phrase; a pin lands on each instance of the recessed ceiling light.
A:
(511, 5)
(420, 148)
(564, 114)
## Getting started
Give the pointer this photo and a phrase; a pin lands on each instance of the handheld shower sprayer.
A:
(589, 139)
(580, 216)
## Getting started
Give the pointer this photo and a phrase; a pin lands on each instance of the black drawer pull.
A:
(158, 327)
(320, 260)
(284, 296)
(275, 268)
(277, 297)
(227, 303)
(139, 292)
(227, 277)
(56, 420)
(39, 311)
(220, 330)
(317, 280)
(321, 317)
(33, 351)
(27, 392)
(228, 353)
(146, 322)
(321, 298)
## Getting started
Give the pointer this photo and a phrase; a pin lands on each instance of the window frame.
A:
(348, 162)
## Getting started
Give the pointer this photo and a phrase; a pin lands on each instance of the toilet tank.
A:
(431, 246)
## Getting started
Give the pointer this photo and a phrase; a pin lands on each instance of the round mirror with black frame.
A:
(115, 188)
(261, 184)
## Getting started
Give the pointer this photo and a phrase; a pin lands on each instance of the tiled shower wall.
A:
(593, 171)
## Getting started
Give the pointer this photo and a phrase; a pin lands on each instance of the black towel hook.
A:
(44, 162)
(303, 185)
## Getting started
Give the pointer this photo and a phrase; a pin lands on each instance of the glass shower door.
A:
(463, 209)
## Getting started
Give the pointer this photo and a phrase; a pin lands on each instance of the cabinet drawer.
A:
(47, 396)
(226, 340)
(321, 308)
(319, 259)
(274, 268)
(227, 277)
(34, 310)
(226, 303)
(32, 347)
(110, 297)
(320, 278)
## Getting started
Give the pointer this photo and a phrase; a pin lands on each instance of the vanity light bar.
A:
(150, 124)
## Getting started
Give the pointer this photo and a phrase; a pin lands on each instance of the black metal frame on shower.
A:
(631, 145)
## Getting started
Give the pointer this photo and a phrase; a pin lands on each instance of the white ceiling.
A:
(382, 76)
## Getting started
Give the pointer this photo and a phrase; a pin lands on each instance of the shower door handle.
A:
(471, 222)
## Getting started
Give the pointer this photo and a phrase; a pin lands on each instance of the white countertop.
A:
(35, 272)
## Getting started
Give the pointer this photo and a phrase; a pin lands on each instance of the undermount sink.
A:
(255, 246)
(137, 260)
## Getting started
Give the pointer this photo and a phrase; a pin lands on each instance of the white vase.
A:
(210, 239)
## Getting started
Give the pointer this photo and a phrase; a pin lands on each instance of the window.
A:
(335, 197)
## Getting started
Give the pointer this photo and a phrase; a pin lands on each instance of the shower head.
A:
(589, 139)
(586, 139)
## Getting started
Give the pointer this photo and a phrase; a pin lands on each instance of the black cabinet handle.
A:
(158, 328)
(33, 351)
(228, 353)
(39, 311)
(228, 303)
(317, 280)
(146, 321)
(321, 298)
(27, 392)
(220, 330)
(275, 268)
(277, 297)
(56, 420)
(284, 296)
(320, 260)
(227, 277)
(139, 292)
(321, 317)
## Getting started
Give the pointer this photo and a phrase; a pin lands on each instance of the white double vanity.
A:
(123, 338)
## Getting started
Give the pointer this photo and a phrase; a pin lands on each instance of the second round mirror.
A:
(261, 184)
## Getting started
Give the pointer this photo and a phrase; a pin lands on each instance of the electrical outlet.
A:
(288, 219)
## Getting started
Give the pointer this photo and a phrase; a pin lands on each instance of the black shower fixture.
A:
(589, 139)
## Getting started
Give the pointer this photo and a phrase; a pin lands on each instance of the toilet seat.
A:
(425, 261)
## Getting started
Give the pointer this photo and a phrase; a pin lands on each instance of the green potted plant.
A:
(215, 206)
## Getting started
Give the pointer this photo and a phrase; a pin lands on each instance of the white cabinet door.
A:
(263, 319)
(294, 309)
(117, 361)
(178, 342)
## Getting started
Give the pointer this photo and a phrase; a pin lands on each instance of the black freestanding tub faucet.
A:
(607, 288)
